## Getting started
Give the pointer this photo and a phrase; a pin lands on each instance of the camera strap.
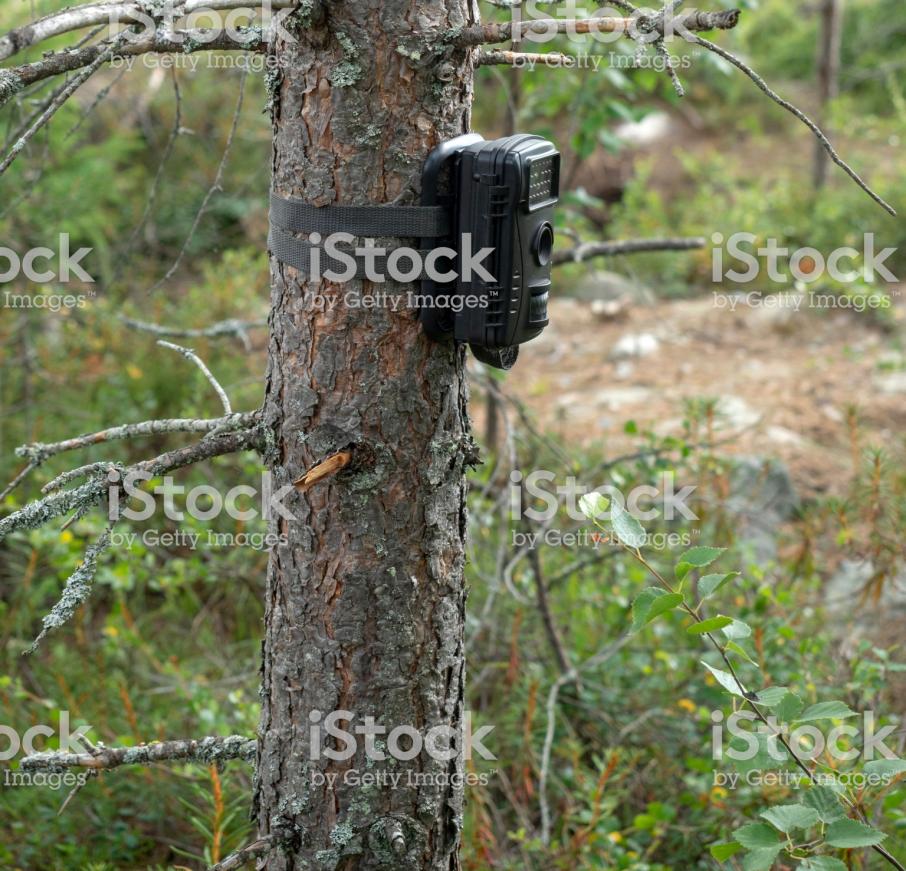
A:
(288, 216)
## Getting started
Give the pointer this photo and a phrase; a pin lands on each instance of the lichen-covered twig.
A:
(247, 854)
(205, 751)
(486, 34)
(587, 250)
(116, 11)
(38, 452)
(92, 492)
(12, 80)
(75, 592)
(189, 354)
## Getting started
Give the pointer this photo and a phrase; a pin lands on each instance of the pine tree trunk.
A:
(365, 600)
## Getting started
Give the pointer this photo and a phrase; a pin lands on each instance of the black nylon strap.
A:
(297, 253)
(369, 221)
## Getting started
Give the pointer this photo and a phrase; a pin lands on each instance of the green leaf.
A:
(696, 558)
(771, 696)
(789, 708)
(725, 679)
(708, 585)
(593, 505)
(825, 802)
(626, 527)
(756, 836)
(651, 603)
(712, 624)
(740, 651)
(823, 863)
(883, 767)
(849, 834)
(737, 629)
(826, 711)
(761, 860)
(788, 817)
(722, 852)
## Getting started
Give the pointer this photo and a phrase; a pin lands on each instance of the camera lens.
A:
(543, 244)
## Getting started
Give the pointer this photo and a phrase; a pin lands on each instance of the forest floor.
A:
(788, 382)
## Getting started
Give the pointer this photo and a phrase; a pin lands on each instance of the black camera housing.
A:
(502, 192)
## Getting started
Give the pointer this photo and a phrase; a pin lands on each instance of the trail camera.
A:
(494, 197)
(502, 195)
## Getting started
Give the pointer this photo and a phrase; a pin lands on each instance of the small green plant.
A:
(831, 817)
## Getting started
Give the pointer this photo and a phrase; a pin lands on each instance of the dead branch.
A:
(76, 590)
(205, 751)
(92, 492)
(113, 12)
(484, 34)
(38, 452)
(322, 470)
(12, 80)
(816, 130)
(524, 59)
(229, 327)
(214, 188)
(189, 354)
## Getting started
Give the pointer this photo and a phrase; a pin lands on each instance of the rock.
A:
(762, 497)
(634, 345)
(599, 284)
(735, 413)
(892, 382)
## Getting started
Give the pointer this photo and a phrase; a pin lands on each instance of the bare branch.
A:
(92, 492)
(484, 34)
(62, 96)
(587, 250)
(189, 354)
(215, 186)
(229, 327)
(108, 13)
(205, 751)
(23, 474)
(173, 42)
(816, 130)
(38, 452)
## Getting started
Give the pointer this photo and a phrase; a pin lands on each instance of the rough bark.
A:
(365, 602)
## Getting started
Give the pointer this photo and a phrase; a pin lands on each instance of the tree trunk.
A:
(365, 600)
(829, 39)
